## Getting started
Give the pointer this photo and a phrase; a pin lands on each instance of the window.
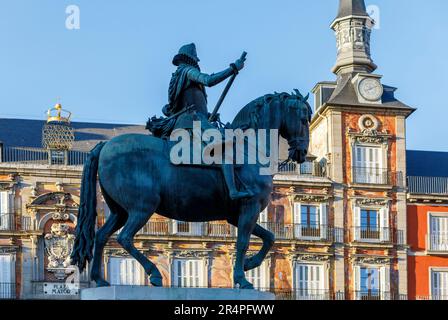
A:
(187, 228)
(368, 165)
(188, 273)
(439, 285)
(438, 236)
(306, 168)
(6, 216)
(371, 224)
(310, 221)
(7, 276)
(372, 283)
(310, 282)
(57, 157)
(125, 271)
(259, 277)
(263, 217)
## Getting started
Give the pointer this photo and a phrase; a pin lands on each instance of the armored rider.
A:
(187, 90)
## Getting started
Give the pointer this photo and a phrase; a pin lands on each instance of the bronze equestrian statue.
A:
(187, 89)
(137, 178)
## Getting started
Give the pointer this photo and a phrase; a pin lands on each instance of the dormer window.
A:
(322, 93)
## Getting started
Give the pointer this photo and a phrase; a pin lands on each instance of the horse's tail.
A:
(85, 228)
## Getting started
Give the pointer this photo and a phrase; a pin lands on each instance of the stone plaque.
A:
(61, 289)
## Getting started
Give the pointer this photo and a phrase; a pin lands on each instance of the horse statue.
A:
(137, 179)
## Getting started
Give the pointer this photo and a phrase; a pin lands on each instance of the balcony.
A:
(313, 232)
(8, 222)
(308, 168)
(371, 235)
(373, 295)
(220, 229)
(376, 176)
(281, 231)
(428, 185)
(301, 294)
(28, 155)
(188, 229)
(7, 291)
(433, 297)
(437, 243)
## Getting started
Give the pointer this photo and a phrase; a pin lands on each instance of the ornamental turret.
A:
(353, 27)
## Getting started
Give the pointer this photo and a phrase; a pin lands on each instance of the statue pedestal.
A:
(153, 293)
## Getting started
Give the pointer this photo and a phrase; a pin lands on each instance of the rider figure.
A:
(187, 89)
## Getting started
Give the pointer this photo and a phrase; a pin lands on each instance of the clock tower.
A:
(353, 27)
(359, 132)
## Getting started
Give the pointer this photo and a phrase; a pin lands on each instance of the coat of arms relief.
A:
(58, 246)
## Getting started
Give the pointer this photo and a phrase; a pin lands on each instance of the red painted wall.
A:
(419, 263)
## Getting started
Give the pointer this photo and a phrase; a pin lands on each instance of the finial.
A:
(57, 114)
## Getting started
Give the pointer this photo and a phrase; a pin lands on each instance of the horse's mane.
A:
(249, 115)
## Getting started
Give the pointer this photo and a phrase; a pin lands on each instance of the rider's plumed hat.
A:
(189, 51)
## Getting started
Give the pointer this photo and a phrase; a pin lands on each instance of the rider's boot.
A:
(229, 177)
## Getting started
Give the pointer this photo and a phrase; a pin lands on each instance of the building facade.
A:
(346, 226)
(428, 225)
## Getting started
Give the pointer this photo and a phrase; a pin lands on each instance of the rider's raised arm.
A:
(209, 80)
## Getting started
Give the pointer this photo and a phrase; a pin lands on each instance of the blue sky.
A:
(117, 66)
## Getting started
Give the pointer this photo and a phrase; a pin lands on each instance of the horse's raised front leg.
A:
(268, 241)
(247, 220)
(136, 221)
(113, 223)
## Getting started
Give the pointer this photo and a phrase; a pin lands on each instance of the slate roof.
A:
(28, 133)
(345, 95)
(427, 163)
(351, 8)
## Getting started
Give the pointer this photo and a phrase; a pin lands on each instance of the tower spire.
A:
(353, 27)
(352, 8)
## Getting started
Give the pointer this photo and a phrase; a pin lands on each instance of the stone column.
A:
(401, 205)
(27, 272)
(335, 146)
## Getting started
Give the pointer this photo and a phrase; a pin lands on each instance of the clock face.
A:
(370, 89)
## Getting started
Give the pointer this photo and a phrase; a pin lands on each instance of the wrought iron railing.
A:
(371, 234)
(221, 229)
(308, 168)
(7, 222)
(428, 185)
(437, 242)
(376, 176)
(7, 290)
(281, 231)
(373, 295)
(28, 155)
(179, 228)
(339, 235)
(13, 222)
(300, 294)
(313, 232)
(28, 223)
(433, 297)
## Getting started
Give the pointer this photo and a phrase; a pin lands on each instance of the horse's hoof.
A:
(156, 281)
(247, 286)
(102, 283)
(244, 284)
